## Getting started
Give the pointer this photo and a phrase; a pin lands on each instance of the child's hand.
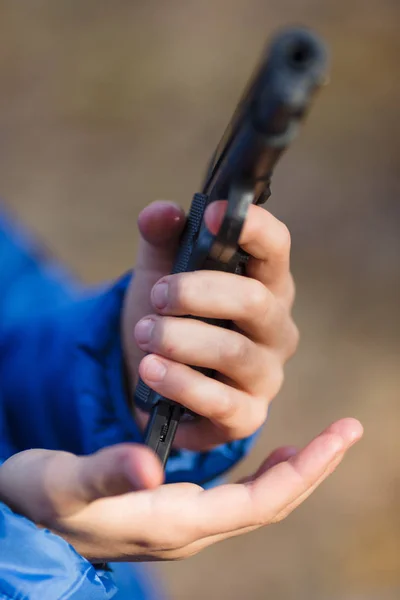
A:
(110, 505)
(250, 359)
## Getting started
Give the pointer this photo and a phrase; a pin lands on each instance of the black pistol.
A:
(266, 120)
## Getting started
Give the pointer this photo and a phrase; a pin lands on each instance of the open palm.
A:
(111, 505)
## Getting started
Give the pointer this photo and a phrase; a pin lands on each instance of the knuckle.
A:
(294, 339)
(291, 293)
(275, 380)
(256, 422)
(254, 419)
(157, 334)
(181, 389)
(163, 340)
(279, 378)
(288, 294)
(283, 240)
(260, 415)
(257, 299)
(234, 350)
(225, 410)
(184, 291)
(290, 339)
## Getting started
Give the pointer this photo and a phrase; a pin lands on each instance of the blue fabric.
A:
(37, 565)
(61, 387)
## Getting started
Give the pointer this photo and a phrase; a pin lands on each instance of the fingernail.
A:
(154, 370)
(144, 330)
(159, 295)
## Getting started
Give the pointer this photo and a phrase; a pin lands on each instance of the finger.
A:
(117, 470)
(236, 413)
(277, 456)
(265, 238)
(303, 472)
(203, 435)
(232, 510)
(178, 520)
(218, 295)
(284, 290)
(199, 344)
(72, 482)
(278, 517)
(160, 225)
(234, 507)
(302, 497)
(44, 484)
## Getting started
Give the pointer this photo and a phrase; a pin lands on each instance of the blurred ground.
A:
(107, 106)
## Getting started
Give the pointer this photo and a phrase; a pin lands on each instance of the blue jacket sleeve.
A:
(61, 387)
(37, 565)
(61, 366)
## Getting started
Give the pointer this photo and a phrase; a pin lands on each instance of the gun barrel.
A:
(277, 99)
(295, 68)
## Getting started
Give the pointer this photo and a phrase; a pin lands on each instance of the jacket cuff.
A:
(35, 563)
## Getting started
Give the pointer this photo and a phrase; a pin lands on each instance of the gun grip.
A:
(144, 397)
(199, 249)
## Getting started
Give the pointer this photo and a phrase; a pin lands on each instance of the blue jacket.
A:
(61, 387)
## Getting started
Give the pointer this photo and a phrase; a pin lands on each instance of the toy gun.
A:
(265, 122)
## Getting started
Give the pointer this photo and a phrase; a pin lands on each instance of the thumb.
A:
(45, 485)
(160, 226)
(117, 470)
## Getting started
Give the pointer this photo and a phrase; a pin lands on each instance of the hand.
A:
(111, 507)
(249, 359)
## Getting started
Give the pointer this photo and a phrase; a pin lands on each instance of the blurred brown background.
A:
(105, 106)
